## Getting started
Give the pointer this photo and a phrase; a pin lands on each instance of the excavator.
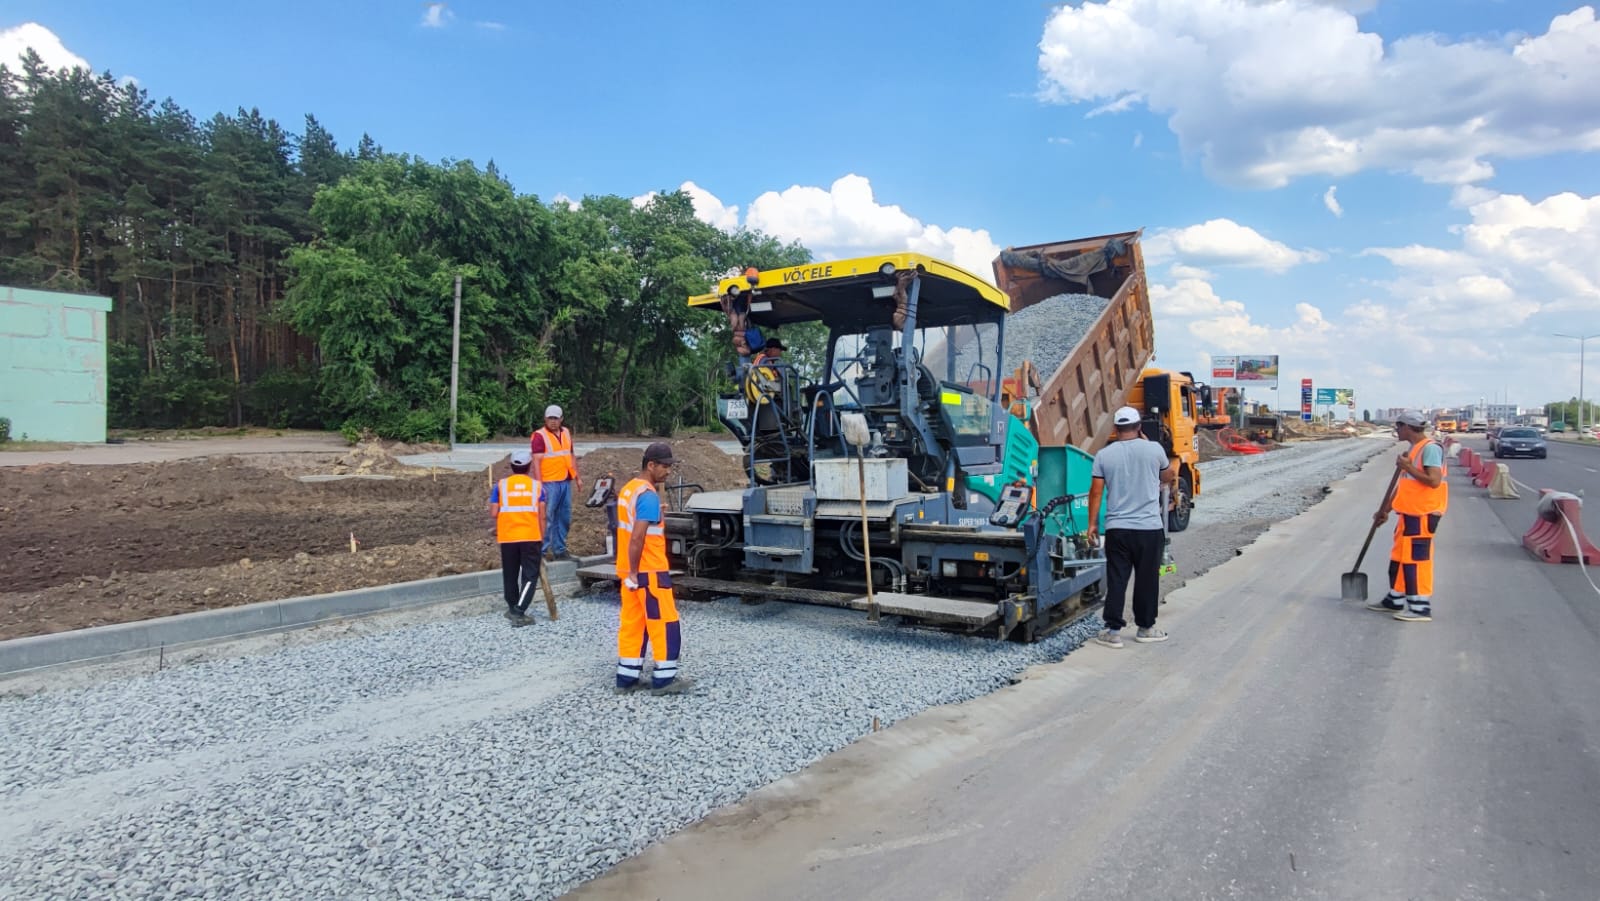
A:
(912, 477)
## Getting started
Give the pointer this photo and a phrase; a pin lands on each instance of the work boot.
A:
(521, 619)
(511, 614)
(1110, 638)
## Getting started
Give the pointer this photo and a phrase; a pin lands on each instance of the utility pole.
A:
(455, 362)
(1582, 340)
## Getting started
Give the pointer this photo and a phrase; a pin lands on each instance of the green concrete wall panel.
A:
(53, 365)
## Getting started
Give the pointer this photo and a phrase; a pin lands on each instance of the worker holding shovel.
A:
(1420, 496)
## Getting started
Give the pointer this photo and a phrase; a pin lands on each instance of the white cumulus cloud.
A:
(708, 208)
(1267, 91)
(845, 219)
(1447, 325)
(14, 42)
(1225, 242)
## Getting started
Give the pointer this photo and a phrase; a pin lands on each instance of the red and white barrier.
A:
(1557, 535)
(1485, 474)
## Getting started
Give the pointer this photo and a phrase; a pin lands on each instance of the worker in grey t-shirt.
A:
(1129, 474)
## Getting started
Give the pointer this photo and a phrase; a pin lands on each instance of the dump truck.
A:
(913, 477)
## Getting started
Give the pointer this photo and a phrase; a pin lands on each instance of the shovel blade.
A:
(1353, 586)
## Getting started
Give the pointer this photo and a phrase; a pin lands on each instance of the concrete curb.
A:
(104, 643)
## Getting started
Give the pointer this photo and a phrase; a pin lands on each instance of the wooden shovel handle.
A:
(1394, 482)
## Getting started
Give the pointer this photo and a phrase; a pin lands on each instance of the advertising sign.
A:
(1306, 396)
(1336, 397)
(1258, 371)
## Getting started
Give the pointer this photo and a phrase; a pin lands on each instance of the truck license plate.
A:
(738, 409)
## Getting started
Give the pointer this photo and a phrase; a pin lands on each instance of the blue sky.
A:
(1395, 196)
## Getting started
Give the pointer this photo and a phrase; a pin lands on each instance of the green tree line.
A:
(1567, 411)
(260, 276)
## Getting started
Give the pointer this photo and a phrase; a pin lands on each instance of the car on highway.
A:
(1493, 435)
(1520, 442)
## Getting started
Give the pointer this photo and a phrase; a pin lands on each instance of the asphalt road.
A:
(1284, 744)
(1574, 469)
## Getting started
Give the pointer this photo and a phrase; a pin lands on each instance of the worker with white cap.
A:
(1128, 474)
(1421, 496)
(557, 466)
(514, 502)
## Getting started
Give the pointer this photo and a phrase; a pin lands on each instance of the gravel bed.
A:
(1047, 331)
(462, 758)
(459, 759)
(1274, 485)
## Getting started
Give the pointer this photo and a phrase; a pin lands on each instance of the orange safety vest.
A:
(653, 559)
(557, 465)
(519, 518)
(1415, 498)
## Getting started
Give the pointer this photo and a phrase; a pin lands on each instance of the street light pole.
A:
(1582, 340)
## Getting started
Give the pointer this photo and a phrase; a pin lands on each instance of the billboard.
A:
(1244, 371)
(1336, 397)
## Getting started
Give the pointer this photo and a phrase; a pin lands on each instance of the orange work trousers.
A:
(1411, 560)
(649, 617)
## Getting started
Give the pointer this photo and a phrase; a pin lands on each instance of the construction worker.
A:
(515, 503)
(1420, 497)
(558, 470)
(1129, 474)
(649, 614)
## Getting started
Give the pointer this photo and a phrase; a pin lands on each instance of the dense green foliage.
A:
(263, 277)
(1567, 411)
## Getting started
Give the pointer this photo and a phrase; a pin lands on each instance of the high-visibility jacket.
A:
(519, 518)
(1415, 498)
(653, 559)
(557, 464)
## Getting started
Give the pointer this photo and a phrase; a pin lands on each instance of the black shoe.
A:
(521, 619)
(511, 614)
(1384, 605)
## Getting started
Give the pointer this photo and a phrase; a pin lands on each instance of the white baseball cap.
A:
(521, 457)
(552, 410)
(1126, 416)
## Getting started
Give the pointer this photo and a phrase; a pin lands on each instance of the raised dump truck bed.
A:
(1077, 400)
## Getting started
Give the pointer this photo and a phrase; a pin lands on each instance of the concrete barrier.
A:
(1557, 536)
(1485, 475)
(1501, 485)
(186, 629)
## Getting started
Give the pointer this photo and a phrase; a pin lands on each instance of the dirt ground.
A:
(92, 545)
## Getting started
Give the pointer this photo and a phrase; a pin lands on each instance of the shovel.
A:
(1353, 584)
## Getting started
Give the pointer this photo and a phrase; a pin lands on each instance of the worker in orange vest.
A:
(649, 613)
(558, 470)
(516, 502)
(1420, 497)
